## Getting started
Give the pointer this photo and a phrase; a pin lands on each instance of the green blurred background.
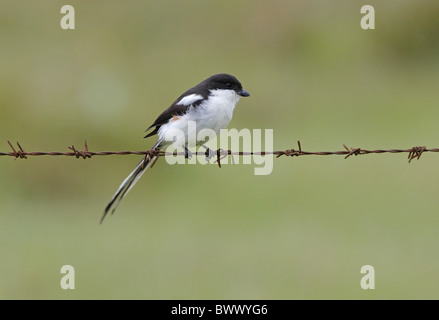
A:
(200, 232)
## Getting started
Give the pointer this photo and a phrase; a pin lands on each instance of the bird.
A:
(209, 104)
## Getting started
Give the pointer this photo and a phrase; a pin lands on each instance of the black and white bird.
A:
(209, 105)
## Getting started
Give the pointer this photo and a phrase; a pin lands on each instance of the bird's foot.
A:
(187, 153)
(210, 154)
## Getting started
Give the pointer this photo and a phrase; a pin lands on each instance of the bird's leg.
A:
(187, 153)
(209, 153)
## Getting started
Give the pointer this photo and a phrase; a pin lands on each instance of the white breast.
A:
(216, 113)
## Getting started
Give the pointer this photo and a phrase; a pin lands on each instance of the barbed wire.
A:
(413, 153)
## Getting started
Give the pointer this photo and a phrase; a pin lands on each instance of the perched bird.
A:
(209, 104)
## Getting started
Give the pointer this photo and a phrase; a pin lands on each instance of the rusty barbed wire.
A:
(413, 153)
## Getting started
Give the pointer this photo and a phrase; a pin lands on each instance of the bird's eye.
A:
(228, 84)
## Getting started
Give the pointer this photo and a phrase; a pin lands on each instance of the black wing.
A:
(165, 117)
(177, 109)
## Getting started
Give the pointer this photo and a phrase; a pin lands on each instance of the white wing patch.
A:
(188, 100)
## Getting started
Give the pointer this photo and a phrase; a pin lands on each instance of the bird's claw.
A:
(187, 153)
(210, 154)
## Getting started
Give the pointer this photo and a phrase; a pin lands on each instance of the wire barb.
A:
(416, 153)
(218, 157)
(290, 152)
(18, 153)
(152, 153)
(352, 151)
(83, 154)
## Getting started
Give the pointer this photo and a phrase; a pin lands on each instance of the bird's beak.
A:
(244, 93)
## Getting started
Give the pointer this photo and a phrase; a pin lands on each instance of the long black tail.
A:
(127, 184)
